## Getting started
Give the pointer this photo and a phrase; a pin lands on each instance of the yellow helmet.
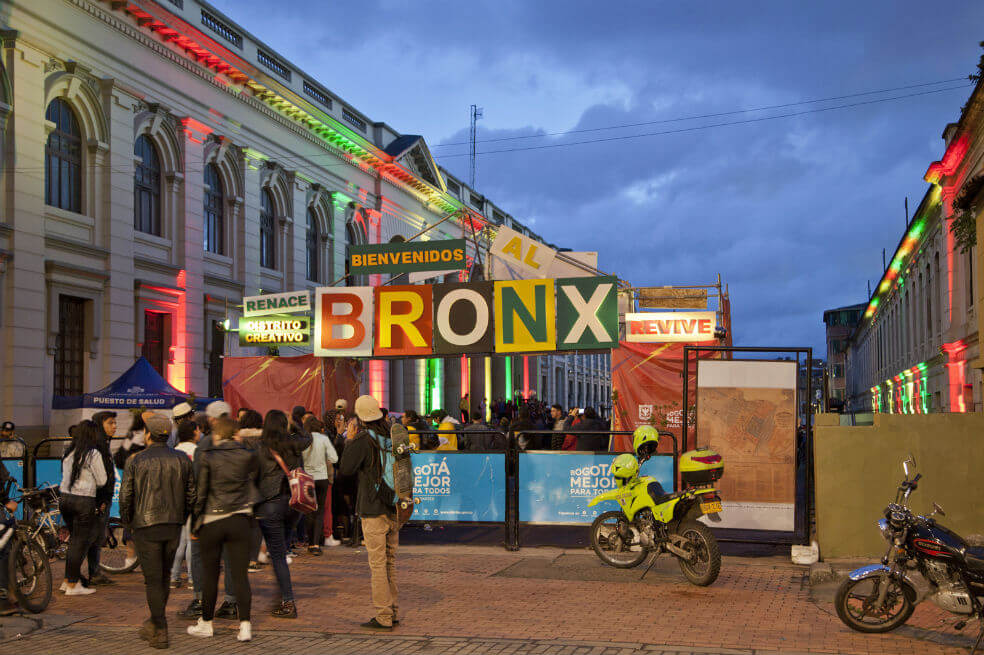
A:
(624, 469)
(645, 440)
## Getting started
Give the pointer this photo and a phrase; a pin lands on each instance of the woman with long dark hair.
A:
(278, 449)
(83, 473)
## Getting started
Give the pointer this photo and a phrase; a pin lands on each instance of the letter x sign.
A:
(587, 313)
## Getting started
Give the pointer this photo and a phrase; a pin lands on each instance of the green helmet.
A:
(645, 440)
(624, 469)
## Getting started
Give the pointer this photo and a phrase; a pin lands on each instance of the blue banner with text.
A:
(49, 471)
(556, 487)
(455, 486)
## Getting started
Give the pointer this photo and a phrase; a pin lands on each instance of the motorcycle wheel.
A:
(855, 597)
(703, 570)
(30, 576)
(610, 547)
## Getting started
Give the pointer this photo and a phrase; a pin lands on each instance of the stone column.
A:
(189, 356)
(26, 388)
(249, 229)
(295, 239)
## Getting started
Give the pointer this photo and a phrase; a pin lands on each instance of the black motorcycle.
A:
(881, 597)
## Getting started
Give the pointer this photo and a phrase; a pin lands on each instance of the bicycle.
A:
(28, 568)
(115, 549)
(41, 508)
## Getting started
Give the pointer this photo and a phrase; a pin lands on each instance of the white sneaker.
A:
(263, 558)
(331, 541)
(64, 586)
(79, 590)
(245, 631)
(201, 629)
(129, 561)
(290, 560)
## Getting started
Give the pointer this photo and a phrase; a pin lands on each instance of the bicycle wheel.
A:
(30, 576)
(115, 551)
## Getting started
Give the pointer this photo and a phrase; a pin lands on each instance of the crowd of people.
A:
(209, 492)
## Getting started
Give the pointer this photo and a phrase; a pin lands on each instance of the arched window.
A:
(267, 248)
(313, 247)
(214, 220)
(353, 237)
(147, 188)
(63, 159)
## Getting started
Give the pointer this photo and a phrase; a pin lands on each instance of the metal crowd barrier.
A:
(508, 487)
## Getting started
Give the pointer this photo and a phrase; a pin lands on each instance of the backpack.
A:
(384, 448)
(302, 495)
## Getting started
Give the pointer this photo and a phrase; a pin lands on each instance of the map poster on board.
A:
(746, 410)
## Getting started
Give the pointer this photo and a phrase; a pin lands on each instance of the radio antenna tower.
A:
(476, 113)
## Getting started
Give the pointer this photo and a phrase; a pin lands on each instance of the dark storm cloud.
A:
(792, 212)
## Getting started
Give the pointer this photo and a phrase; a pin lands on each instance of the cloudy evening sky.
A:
(792, 212)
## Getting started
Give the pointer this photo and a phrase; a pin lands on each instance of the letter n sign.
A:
(587, 313)
(343, 322)
(525, 316)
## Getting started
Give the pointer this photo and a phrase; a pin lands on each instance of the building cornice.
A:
(73, 246)
(209, 60)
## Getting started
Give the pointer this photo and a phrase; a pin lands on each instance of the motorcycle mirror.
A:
(938, 510)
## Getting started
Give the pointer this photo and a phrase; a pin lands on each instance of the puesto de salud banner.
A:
(509, 316)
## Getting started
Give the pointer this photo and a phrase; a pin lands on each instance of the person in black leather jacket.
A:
(156, 496)
(226, 490)
(273, 511)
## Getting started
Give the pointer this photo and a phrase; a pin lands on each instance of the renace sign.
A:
(665, 327)
(470, 318)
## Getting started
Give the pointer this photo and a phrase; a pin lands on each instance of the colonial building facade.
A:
(159, 163)
(913, 348)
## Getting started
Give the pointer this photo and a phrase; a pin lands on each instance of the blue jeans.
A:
(184, 555)
(273, 524)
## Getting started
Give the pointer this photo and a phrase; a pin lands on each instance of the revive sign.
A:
(667, 327)
(276, 303)
(507, 316)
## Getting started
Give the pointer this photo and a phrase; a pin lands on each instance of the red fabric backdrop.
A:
(265, 383)
(647, 382)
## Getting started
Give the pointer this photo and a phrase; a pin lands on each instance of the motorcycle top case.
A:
(701, 467)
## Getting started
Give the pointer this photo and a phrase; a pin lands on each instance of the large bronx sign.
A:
(509, 316)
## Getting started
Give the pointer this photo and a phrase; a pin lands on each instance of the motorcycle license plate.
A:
(711, 507)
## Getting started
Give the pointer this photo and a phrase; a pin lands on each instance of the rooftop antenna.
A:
(883, 259)
(476, 113)
(869, 289)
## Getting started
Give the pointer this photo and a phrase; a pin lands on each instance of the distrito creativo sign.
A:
(670, 327)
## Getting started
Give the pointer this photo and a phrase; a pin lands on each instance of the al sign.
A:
(275, 331)
(667, 327)
(507, 316)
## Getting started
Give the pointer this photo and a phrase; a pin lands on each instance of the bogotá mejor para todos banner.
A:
(509, 316)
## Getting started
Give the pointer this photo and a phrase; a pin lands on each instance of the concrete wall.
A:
(858, 470)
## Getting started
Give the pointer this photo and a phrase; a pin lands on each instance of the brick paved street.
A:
(462, 599)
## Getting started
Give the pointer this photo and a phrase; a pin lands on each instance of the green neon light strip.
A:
(509, 384)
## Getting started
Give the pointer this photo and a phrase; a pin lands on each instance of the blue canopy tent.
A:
(139, 386)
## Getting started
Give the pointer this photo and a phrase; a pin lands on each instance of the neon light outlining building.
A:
(916, 347)
(160, 163)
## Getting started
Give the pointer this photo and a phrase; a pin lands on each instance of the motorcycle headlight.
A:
(886, 531)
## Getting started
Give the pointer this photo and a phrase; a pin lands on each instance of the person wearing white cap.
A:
(341, 405)
(362, 455)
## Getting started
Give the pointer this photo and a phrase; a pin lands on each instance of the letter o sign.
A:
(481, 317)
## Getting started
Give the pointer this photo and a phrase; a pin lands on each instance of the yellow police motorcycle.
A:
(652, 521)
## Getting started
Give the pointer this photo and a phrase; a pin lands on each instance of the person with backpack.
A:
(368, 454)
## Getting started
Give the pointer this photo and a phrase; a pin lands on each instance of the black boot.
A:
(227, 611)
(286, 610)
(193, 612)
